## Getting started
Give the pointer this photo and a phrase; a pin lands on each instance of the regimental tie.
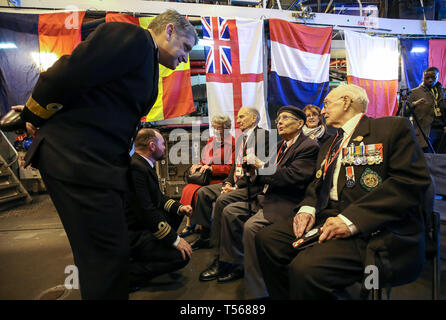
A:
(327, 180)
(282, 151)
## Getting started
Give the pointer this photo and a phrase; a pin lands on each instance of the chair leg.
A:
(436, 259)
(435, 278)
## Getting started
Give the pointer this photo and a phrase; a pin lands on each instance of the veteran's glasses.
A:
(284, 118)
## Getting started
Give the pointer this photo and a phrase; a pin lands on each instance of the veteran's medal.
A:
(358, 158)
(344, 156)
(379, 153)
(370, 154)
(351, 157)
(363, 154)
(350, 174)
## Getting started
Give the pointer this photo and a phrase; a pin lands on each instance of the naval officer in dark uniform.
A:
(152, 218)
(87, 107)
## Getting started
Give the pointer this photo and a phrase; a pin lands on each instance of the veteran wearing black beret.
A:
(366, 193)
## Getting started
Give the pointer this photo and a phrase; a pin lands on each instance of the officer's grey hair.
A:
(180, 23)
(356, 93)
(222, 119)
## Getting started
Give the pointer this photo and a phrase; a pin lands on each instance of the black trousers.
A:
(314, 273)
(95, 224)
(151, 257)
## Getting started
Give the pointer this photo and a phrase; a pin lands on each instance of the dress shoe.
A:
(211, 273)
(201, 243)
(234, 274)
(215, 270)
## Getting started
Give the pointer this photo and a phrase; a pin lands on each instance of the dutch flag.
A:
(300, 62)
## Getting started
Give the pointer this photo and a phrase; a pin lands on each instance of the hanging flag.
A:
(418, 55)
(174, 87)
(234, 66)
(59, 34)
(300, 62)
(30, 44)
(415, 59)
(372, 63)
(437, 57)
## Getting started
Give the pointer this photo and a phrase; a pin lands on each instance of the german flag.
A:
(30, 44)
(175, 90)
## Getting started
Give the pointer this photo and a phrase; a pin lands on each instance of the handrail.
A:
(12, 147)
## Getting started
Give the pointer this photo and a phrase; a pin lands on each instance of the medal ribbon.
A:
(340, 147)
(283, 153)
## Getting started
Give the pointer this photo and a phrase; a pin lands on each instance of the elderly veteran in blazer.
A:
(366, 195)
(152, 218)
(87, 107)
(283, 188)
(234, 188)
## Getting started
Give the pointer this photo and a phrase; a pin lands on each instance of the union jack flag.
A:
(222, 44)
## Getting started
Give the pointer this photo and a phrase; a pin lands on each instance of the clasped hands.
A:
(333, 228)
(253, 161)
(199, 167)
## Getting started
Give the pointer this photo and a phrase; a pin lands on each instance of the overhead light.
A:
(7, 45)
(418, 49)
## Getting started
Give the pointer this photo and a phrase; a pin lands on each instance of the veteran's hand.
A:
(204, 168)
(302, 222)
(253, 161)
(334, 228)
(187, 210)
(194, 168)
(227, 188)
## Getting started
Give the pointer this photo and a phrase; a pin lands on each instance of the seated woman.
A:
(218, 156)
(315, 126)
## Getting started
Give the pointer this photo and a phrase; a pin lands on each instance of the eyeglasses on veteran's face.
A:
(285, 118)
(332, 101)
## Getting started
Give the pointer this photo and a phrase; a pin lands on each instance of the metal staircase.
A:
(12, 192)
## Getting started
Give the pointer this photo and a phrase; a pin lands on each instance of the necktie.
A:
(281, 152)
(244, 145)
(327, 181)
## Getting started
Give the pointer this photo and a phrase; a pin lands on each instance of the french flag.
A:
(300, 61)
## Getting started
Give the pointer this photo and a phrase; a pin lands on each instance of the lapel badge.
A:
(318, 174)
(370, 179)
(358, 138)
